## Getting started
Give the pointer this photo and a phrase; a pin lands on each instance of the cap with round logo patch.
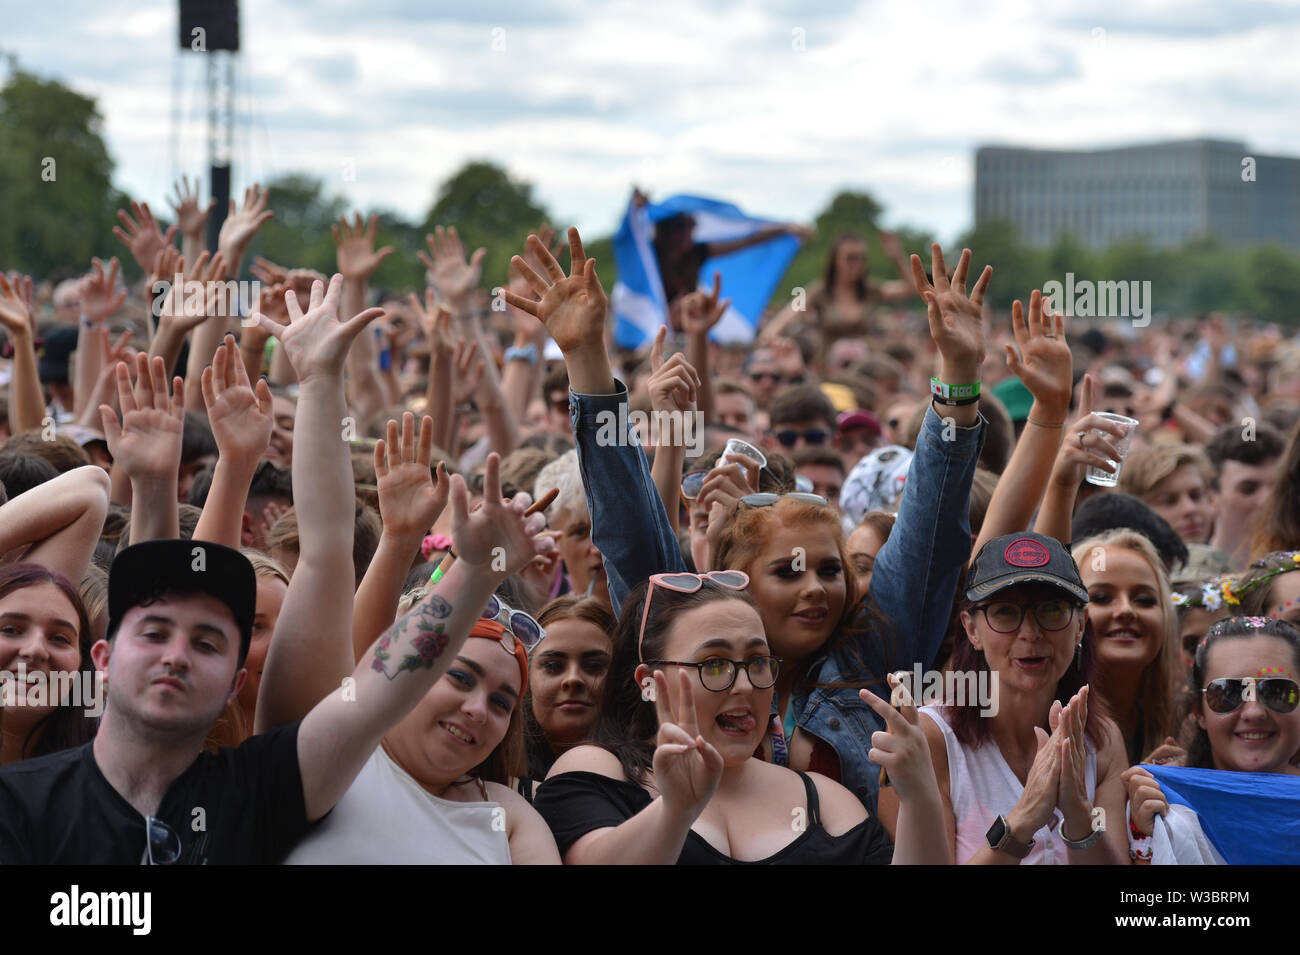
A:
(1023, 558)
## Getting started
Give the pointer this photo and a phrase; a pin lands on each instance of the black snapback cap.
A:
(1022, 558)
(143, 570)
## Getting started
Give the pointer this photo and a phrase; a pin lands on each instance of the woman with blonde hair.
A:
(1130, 606)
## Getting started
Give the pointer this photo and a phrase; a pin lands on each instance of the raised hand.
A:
(901, 750)
(409, 500)
(99, 294)
(674, 383)
(182, 313)
(687, 768)
(147, 443)
(1146, 799)
(15, 316)
(954, 316)
(191, 219)
(357, 256)
(316, 342)
(893, 249)
(267, 272)
(451, 274)
(1043, 364)
(240, 227)
(497, 539)
(571, 307)
(1037, 803)
(435, 321)
(1082, 449)
(239, 413)
(700, 311)
(142, 234)
(469, 371)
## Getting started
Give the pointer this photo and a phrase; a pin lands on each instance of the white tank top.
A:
(982, 787)
(387, 818)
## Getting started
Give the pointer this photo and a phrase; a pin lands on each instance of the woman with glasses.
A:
(672, 775)
(1029, 768)
(437, 790)
(1244, 696)
(1131, 609)
(836, 643)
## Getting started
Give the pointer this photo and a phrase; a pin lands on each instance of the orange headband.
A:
(491, 630)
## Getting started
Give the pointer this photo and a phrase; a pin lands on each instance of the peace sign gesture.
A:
(571, 307)
(955, 320)
(687, 768)
(901, 749)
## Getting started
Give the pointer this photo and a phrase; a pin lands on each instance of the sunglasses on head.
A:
(767, 499)
(789, 438)
(1227, 694)
(685, 583)
(518, 624)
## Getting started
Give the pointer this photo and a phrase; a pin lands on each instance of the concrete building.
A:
(1168, 192)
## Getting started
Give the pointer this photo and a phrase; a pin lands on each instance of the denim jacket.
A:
(913, 583)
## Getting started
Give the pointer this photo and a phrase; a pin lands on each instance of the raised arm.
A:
(674, 388)
(59, 522)
(409, 504)
(190, 217)
(100, 298)
(147, 445)
(902, 288)
(343, 729)
(1044, 366)
(931, 539)
(357, 260)
(141, 234)
(27, 403)
(765, 234)
(311, 650)
(436, 322)
(700, 312)
(240, 417)
(628, 521)
(179, 313)
(1080, 450)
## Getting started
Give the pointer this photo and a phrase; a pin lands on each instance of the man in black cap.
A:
(57, 347)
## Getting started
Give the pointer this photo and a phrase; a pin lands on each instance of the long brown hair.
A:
(1277, 521)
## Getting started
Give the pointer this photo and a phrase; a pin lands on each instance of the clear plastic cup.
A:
(736, 446)
(1096, 475)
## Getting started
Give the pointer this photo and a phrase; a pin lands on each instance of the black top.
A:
(238, 805)
(574, 804)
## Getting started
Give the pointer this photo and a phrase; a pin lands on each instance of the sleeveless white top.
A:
(387, 818)
(982, 787)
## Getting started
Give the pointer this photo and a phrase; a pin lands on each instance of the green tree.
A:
(55, 178)
(1017, 269)
(492, 210)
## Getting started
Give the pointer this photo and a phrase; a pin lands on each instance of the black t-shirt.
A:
(574, 804)
(240, 805)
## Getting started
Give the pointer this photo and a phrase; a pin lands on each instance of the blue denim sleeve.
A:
(629, 525)
(916, 571)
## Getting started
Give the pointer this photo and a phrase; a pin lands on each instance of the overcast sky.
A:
(773, 104)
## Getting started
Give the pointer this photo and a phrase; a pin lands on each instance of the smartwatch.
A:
(1000, 840)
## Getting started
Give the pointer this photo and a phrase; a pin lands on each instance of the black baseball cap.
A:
(1023, 558)
(143, 571)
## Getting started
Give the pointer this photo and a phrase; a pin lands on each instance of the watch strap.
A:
(1000, 840)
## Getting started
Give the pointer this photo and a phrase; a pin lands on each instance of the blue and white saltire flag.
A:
(749, 277)
(1252, 818)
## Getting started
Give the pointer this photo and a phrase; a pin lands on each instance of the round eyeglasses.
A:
(1005, 617)
(517, 623)
(719, 675)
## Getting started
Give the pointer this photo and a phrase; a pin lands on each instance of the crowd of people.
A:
(343, 575)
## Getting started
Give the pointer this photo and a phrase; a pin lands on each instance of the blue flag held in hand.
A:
(749, 275)
(1252, 818)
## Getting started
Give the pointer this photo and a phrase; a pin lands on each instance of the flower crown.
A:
(1227, 590)
(1254, 623)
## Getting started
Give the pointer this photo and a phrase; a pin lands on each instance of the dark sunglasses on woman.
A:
(1227, 694)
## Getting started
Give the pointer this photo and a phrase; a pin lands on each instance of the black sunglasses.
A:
(1227, 694)
(790, 438)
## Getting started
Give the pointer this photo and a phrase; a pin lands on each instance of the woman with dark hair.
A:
(1269, 589)
(1030, 770)
(672, 776)
(839, 304)
(1245, 698)
(566, 678)
(1277, 522)
(48, 686)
